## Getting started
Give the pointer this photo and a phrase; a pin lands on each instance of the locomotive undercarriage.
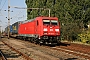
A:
(49, 39)
(43, 40)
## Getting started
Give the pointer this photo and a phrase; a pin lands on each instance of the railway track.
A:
(30, 49)
(34, 54)
(70, 51)
(17, 51)
(76, 53)
(67, 51)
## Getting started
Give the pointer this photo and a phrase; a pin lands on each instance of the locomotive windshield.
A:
(54, 22)
(46, 22)
(50, 22)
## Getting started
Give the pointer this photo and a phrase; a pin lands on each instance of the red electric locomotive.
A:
(40, 30)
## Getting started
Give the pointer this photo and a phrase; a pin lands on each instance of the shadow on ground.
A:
(71, 59)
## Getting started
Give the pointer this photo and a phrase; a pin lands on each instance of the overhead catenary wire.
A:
(2, 14)
(17, 14)
(3, 5)
(0, 2)
(32, 8)
(28, 8)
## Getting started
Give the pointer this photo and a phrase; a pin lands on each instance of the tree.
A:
(73, 15)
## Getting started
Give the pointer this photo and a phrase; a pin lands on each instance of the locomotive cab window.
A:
(46, 22)
(54, 22)
(37, 22)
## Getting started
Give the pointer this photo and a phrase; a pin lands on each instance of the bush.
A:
(85, 38)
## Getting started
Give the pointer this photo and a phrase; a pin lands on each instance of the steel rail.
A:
(24, 55)
(2, 55)
(81, 54)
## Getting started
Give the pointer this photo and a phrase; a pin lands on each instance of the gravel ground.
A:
(37, 52)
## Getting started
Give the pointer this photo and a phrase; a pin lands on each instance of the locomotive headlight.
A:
(57, 30)
(45, 29)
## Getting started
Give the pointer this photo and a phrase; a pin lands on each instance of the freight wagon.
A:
(15, 28)
(6, 30)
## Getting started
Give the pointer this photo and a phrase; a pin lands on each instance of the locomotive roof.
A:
(17, 22)
(43, 17)
(28, 20)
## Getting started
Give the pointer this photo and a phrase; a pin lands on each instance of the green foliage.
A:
(69, 31)
(85, 37)
(63, 9)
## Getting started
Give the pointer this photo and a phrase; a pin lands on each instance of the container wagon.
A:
(15, 28)
(6, 30)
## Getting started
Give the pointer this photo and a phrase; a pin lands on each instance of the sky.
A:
(15, 14)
